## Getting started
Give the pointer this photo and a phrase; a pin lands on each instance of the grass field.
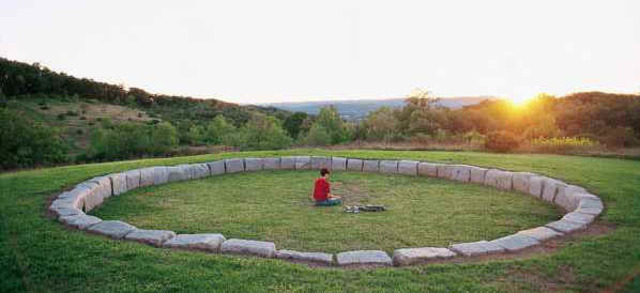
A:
(39, 255)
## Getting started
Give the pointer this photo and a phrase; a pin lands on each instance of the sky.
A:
(276, 51)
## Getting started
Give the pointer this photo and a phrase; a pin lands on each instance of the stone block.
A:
(521, 181)
(536, 186)
(113, 229)
(407, 256)
(76, 196)
(253, 164)
(569, 197)
(428, 169)
(358, 257)
(249, 247)
(151, 237)
(318, 257)
(445, 171)
(271, 163)
(179, 173)
(199, 171)
(216, 167)
(234, 165)
(499, 179)
(203, 242)
(81, 221)
(541, 233)
(388, 167)
(579, 217)
(566, 226)
(118, 183)
(355, 164)
(160, 175)
(288, 163)
(407, 167)
(303, 163)
(478, 175)
(370, 166)
(551, 189)
(146, 177)
(476, 248)
(515, 242)
(95, 196)
(318, 163)
(461, 173)
(103, 188)
(133, 179)
(590, 205)
(338, 164)
(65, 211)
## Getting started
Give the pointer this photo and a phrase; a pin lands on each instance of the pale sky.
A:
(274, 51)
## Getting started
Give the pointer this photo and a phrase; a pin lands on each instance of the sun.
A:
(521, 100)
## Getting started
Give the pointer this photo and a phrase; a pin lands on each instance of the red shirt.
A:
(321, 190)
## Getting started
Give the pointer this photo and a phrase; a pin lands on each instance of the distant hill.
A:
(354, 110)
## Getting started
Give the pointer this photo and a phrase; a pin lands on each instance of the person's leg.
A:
(329, 202)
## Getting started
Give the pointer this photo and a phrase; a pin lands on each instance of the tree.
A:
(317, 136)
(293, 124)
(382, 124)
(330, 120)
(217, 129)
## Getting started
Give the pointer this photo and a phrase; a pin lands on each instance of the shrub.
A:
(61, 116)
(501, 141)
(563, 144)
(317, 136)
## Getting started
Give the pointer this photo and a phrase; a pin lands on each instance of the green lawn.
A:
(274, 206)
(38, 254)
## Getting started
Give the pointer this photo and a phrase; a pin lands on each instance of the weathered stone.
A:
(303, 163)
(113, 229)
(515, 242)
(566, 226)
(407, 256)
(476, 248)
(179, 173)
(146, 177)
(95, 196)
(160, 175)
(318, 163)
(461, 173)
(103, 188)
(374, 257)
(305, 256)
(65, 211)
(76, 196)
(521, 181)
(253, 164)
(445, 171)
(354, 165)
(370, 166)
(569, 197)
(234, 165)
(151, 237)
(408, 167)
(199, 171)
(251, 247)
(478, 174)
(80, 221)
(271, 163)
(551, 188)
(590, 205)
(288, 163)
(388, 167)
(541, 233)
(499, 179)
(536, 186)
(338, 164)
(579, 217)
(428, 169)
(118, 183)
(216, 167)
(203, 242)
(133, 179)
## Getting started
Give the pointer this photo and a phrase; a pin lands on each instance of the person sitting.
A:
(322, 191)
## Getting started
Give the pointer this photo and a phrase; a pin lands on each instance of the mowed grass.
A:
(37, 254)
(275, 206)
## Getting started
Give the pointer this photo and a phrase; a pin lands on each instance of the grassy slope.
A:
(274, 206)
(38, 254)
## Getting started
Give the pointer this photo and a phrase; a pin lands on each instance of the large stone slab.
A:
(318, 257)
(203, 242)
(515, 242)
(407, 167)
(103, 189)
(249, 247)
(338, 164)
(478, 174)
(199, 171)
(407, 256)
(445, 171)
(113, 229)
(179, 173)
(318, 163)
(476, 248)
(388, 167)
(303, 163)
(358, 257)
(146, 177)
(461, 173)
(499, 179)
(80, 221)
(160, 175)
(271, 163)
(95, 196)
(133, 179)
(370, 166)
(590, 205)
(566, 226)
(551, 189)
(151, 237)
(569, 197)
(579, 217)
(521, 181)
(253, 164)
(75, 197)
(118, 183)
(428, 169)
(288, 163)
(355, 164)
(541, 233)
(216, 167)
(536, 186)
(65, 210)
(234, 165)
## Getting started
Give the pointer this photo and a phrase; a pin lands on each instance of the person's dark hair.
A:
(324, 171)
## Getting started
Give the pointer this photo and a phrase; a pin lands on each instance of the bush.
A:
(563, 144)
(317, 136)
(501, 141)
(129, 140)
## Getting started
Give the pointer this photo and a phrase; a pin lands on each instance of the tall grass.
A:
(564, 144)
